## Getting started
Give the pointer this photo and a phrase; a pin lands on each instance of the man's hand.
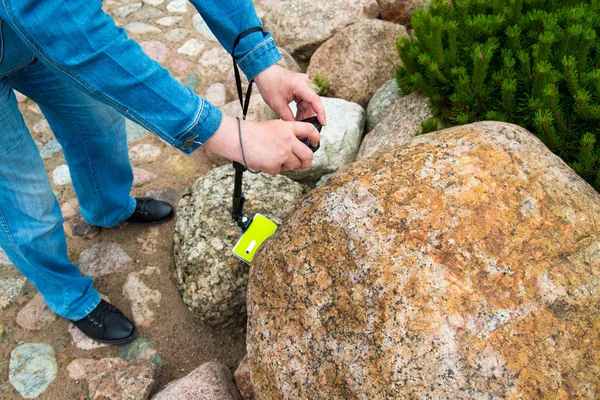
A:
(279, 86)
(270, 146)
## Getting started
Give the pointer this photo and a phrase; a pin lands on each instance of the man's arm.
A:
(81, 43)
(227, 19)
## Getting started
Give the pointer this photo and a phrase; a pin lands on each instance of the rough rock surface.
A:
(114, 378)
(385, 96)
(400, 11)
(243, 380)
(211, 279)
(104, 258)
(144, 301)
(35, 315)
(210, 381)
(399, 126)
(142, 349)
(258, 111)
(32, 369)
(340, 139)
(465, 264)
(11, 283)
(301, 26)
(359, 59)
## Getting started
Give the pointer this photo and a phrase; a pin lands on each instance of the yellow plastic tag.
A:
(261, 228)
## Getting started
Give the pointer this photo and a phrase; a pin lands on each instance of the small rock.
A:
(216, 94)
(243, 380)
(141, 28)
(114, 378)
(41, 127)
(215, 60)
(381, 101)
(154, 2)
(142, 349)
(210, 381)
(32, 369)
(144, 152)
(340, 139)
(20, 96)
(192, 82)
(134, 131)
(81, 341)
(156, 50)
(34, 108)
(124, 11)
(102, 259)
(75, 225)
(142, 177)
(177, 6)
(141, 298)
(181, 67)
(400, 11)
(148, 241)
(181, 165)
(191, 48)
(202, 28)
(35, 315)
(177, 35)
(168, 21)
(50, 148)
(148, 14)
(61, 175)
(11, 284)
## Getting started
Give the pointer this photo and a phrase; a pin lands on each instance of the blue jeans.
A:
(94, 142)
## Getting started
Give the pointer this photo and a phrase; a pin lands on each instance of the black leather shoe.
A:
(150, 212)
(107, 324)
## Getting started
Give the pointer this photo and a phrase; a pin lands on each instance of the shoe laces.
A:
(101, 313)
(142, 207)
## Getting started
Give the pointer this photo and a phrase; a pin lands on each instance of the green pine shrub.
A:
(535, 63)
(321, 84)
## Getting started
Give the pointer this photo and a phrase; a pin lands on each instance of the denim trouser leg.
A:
(31, 231)
(94, 142)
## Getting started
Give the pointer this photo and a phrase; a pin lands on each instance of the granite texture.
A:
(402, 121)
(301, 26)
(400, 11)
(359, 59)
(211, 279)
(385, 96)
(463, 265)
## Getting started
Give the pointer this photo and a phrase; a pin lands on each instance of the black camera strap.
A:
(238, 78)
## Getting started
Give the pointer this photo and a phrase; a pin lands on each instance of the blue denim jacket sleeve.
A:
(79, 41)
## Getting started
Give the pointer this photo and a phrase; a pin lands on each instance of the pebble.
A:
(142, 349)
(61, 175)
(35, 315)
(20, 96)
(191, 48)
(216, 94)
(11, 284)
(114, 378)
(201, 26)
(4, 258)
(41, 127)
(154, 2)
(158, 51)
(148, 14)
(103, 259)
(134, 131)
(169, 21)
(32, 368)
(142, 177)
(81, 341)
(142, 298)
(50, 148)
(177, 35)
(177, 6)
(192, 82)
(141, 28)
(181, 165)
(144, 152)
(77, 226)
(243, 380)
(217, 59)
(181, 67)
(124, 11)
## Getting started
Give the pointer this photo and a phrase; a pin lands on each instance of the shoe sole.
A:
(115, 342)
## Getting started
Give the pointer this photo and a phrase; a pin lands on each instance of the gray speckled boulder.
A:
(399, 125)
(32, 369)
(381, 101)
(340, 139)
(211, 279)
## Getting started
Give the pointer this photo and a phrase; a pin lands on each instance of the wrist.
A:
(225, 141)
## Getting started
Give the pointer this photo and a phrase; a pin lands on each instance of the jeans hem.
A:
(88, 309)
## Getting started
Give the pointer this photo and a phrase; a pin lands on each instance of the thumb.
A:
(284, 111)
